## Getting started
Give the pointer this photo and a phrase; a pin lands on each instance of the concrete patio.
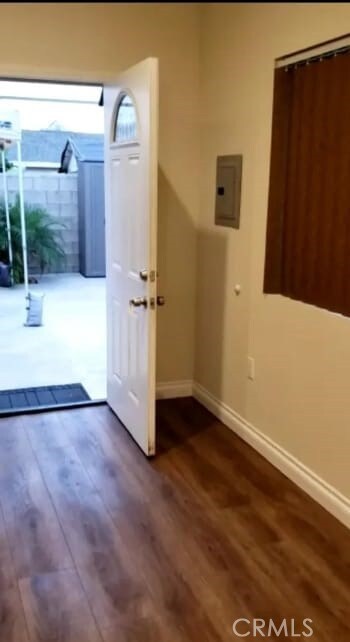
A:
(70, 347)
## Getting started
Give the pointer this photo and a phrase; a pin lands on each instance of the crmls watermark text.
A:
(268, 628)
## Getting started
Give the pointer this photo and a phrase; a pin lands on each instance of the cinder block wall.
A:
(58, 194)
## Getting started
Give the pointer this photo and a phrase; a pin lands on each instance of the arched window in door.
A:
(125, 129)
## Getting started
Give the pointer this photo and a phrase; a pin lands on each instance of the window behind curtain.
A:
(308, 229)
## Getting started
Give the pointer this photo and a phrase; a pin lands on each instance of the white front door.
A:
(131, 165)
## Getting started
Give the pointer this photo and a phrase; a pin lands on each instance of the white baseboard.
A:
(173, 389)
(322, 492)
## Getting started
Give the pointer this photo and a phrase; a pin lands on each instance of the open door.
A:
(131, 165)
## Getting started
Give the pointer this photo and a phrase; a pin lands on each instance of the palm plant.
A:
(44, 238)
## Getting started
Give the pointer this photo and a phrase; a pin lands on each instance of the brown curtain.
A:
(308, 231)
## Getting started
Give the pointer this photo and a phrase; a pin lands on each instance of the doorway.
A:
(62, 361)
(131, 204)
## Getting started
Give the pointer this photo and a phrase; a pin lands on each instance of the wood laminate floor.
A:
(97, 544)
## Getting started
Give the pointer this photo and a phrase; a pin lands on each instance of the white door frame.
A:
(64, 75)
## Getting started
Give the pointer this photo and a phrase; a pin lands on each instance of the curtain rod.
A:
(312, 54)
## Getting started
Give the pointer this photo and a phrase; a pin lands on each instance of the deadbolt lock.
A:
(160, 300)
(143, 274)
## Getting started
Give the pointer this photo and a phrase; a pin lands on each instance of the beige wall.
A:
(301, 394)
(92, 42)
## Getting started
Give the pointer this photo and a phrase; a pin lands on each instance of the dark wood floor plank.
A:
(219, 565)
(56, 608)
(12, 621)
(35, 536)
(303, 579)
(240, 583)
(142, 520)
(36, 427)
(140, 550)
(251, 522)
(13, 440)
(96, 451)
(7, 571)
(176, 548)
(143, 629)
(282, 500)
(149, 519)
(278, 509)
(284, 512)
(309, 526)
(105, 565)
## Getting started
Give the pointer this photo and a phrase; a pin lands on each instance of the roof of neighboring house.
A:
(46, 145)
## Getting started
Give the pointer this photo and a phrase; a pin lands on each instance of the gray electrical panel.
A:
(228, 190)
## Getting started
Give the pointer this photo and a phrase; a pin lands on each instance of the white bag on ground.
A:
(35, 309)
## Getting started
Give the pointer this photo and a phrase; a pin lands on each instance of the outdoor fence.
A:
(58, 194)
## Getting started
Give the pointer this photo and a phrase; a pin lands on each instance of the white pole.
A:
(8, 223)
(23, 221)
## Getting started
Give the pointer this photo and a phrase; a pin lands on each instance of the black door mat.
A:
(22, 398)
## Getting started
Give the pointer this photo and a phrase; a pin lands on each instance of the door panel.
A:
(131, 164)
(116, 340)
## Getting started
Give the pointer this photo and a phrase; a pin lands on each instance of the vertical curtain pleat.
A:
(283, 91)
(314, 213)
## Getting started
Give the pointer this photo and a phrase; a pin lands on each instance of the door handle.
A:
(143, 274)
(160, 300)
(137, 302)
